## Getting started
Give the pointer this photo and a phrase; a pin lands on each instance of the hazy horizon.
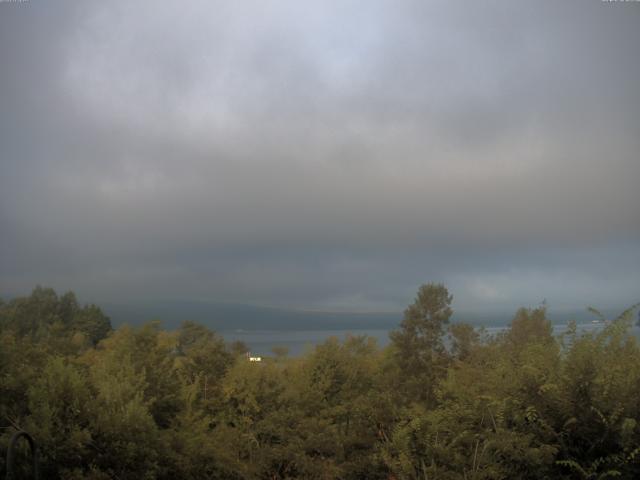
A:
(229, 317)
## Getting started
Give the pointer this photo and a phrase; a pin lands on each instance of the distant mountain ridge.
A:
(229, 316)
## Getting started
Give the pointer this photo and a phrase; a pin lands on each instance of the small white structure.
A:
(253, 359)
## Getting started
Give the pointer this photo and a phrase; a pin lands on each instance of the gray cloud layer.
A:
(327, 155)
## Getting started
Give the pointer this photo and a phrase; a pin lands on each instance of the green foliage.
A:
(53, 320)
(464, 338)
(418, 345)
(143, 403)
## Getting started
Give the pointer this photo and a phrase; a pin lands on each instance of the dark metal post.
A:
(11, 455)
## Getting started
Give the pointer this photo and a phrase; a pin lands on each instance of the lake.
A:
(260, 342)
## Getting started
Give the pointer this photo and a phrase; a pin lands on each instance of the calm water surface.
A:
(260, 342)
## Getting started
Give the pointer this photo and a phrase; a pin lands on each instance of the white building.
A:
(253, 359)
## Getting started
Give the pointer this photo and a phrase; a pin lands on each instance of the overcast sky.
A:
(325, 155)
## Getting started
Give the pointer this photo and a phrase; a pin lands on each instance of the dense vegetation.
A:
(143, 403)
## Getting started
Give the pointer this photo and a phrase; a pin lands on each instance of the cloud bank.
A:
(331, 155)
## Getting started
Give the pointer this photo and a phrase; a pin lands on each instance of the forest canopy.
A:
(443, 400)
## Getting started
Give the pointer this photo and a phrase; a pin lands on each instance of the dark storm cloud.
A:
(332, 155)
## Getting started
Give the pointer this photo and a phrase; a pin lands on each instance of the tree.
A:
(90, 321)
(43, 316)
(203, 358)
(463, 339)
(530, 326)
(60, 409)
(419, 348)
(125, 436)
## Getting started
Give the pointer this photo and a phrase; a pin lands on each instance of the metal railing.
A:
(11, 455)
